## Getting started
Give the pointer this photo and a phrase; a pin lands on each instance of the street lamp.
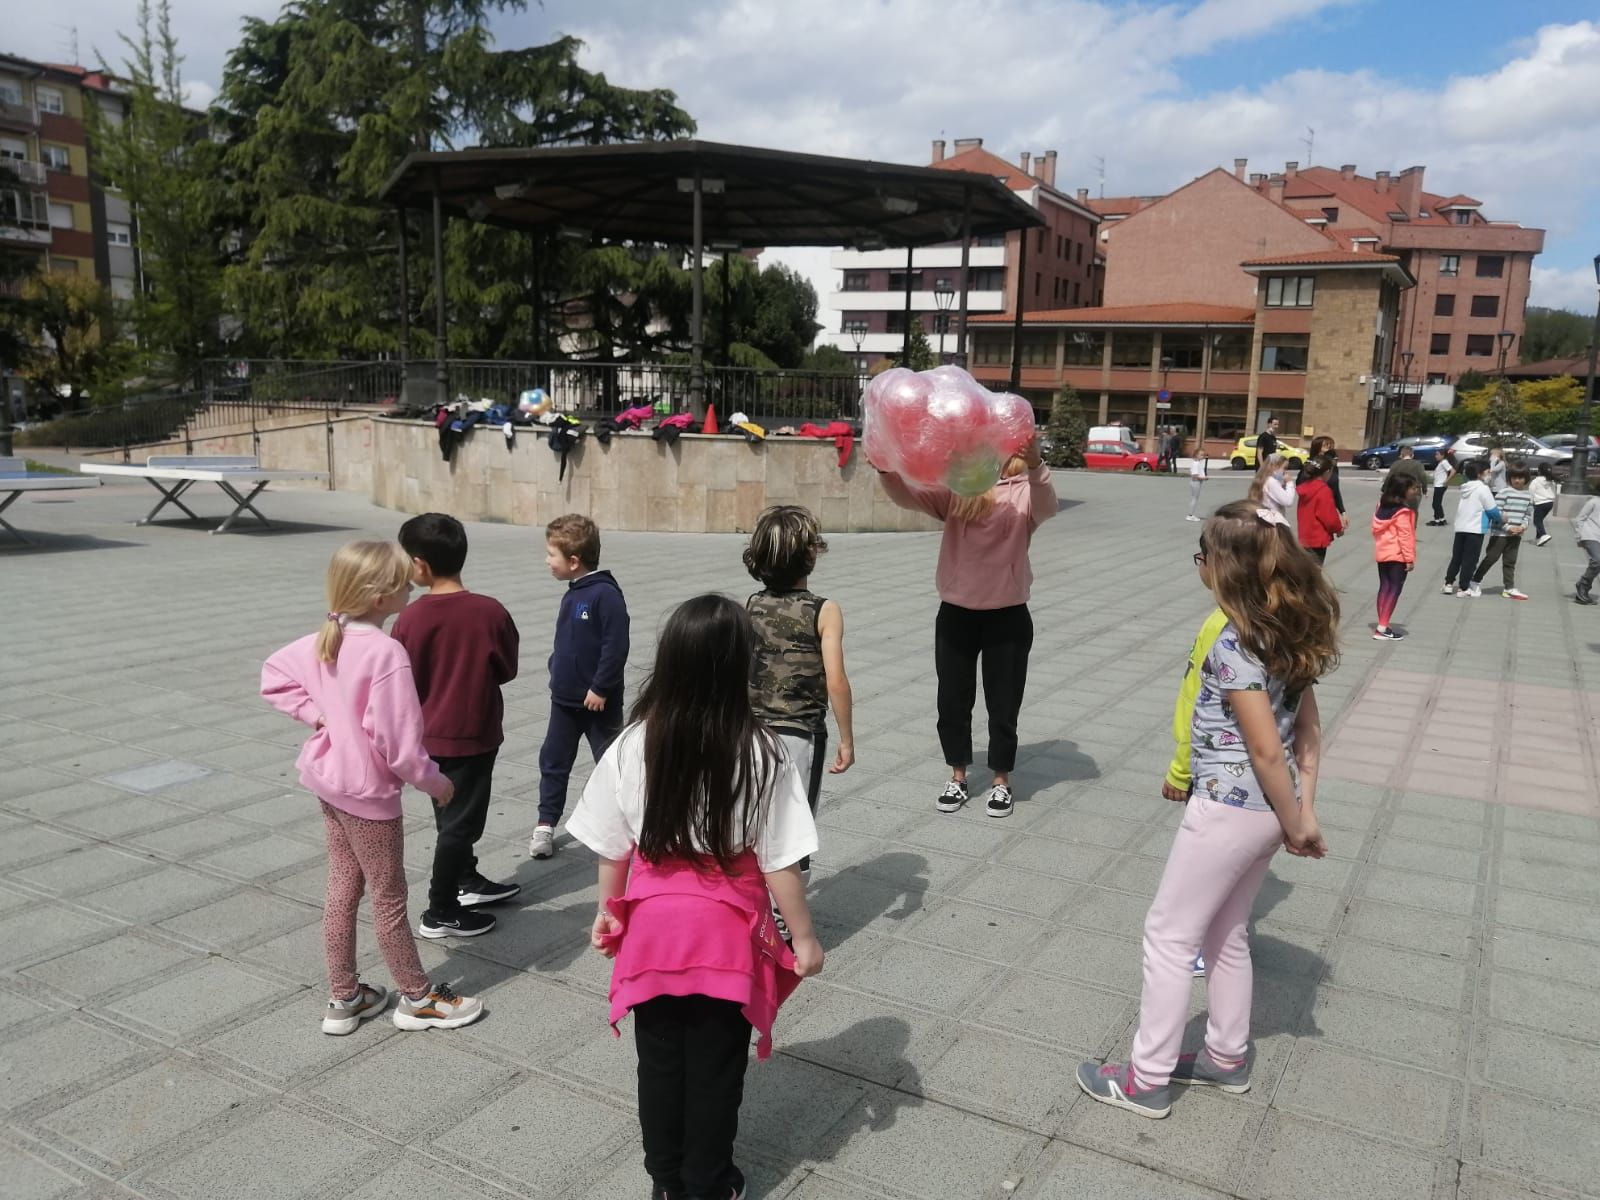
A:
(858, 334)
(1405, 387)
(1506, 338)
(943, 294)
(1577, 481)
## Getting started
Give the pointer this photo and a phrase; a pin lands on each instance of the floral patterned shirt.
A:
(1219, 762)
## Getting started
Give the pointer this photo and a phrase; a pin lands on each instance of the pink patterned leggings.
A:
(362, 852)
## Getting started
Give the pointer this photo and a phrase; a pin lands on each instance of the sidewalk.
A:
(1426, 1014)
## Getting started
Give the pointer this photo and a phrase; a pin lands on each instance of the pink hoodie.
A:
(984, 564)
(371, 736)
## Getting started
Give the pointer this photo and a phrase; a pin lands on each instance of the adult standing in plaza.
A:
(1267, 442)
(984, 581)
(1323, 447)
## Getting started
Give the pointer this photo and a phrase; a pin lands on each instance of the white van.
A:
(1113, 433)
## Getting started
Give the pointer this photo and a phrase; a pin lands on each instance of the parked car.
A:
(1117, 456)
(1470, 447)
(1569, 441)
(1243, 457)
(1427, 448)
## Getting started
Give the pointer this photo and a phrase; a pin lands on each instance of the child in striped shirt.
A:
(1505, 539)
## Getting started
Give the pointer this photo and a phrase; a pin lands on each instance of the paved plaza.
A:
(1426, 1021)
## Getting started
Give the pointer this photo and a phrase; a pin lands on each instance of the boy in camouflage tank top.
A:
(798, 668)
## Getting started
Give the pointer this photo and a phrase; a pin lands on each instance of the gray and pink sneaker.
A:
(1113, 1084)
(1201, 1070)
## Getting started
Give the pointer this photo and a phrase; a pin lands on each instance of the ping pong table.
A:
(173, 475)
(15, 478)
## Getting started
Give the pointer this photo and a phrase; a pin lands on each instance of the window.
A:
(1231, 351)
(14, 149)
(1491, 266)
(1038, 282)
(1080, 254)
(1130, 349)
(1449, 264)
(1186, 350)
(49, 100)
(855, 281)
(895, 322)
(1444, 305)
(1075, 293)
(1285, 351)
(1439, 344)
(988, 279)
(991, 348)
(64, 266)
(118, 234)
(1332, 214)
(1291, 291)
(1038, 350)
(60, 216)
(1085, 348)
(851, 324)
(897, 281)
(941, 322)
(1480, 345)
(1039, 246)
(28, 209)
(10, 90)
(1060, 241)
(1463, 216)
(56, 157)
(1486, 306)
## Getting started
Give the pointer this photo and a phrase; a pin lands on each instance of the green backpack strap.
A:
(1178, 775)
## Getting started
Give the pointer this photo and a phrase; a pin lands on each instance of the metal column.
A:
(905, 345)
(1016, 324)
(440, 349)
(697, 367)
(966, 249)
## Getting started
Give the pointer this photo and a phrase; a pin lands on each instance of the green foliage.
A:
(773, 309)
(1504, 416)
(828, 360)
(1067, 429)
(77, 345)
(34, 466)
(133, 425)
(1554, 333)
(1471, 381)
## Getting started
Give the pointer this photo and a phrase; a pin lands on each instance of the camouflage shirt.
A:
(787, 683)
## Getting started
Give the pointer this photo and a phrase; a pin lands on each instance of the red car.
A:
(1116, 456)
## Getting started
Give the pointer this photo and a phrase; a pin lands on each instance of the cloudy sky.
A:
(1500, 100)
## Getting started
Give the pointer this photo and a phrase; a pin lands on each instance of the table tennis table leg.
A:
(9, 527)
(169, 496)
(241, 504)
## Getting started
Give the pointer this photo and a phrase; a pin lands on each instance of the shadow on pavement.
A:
(1058, 760)
(57, 543)
(846, 902)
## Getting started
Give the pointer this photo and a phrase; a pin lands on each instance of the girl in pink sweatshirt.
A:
(696, 812)
(351, 684)
(984, 581)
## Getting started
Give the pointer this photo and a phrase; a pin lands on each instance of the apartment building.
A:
(866, 316)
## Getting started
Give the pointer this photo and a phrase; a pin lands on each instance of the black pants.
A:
(569, 723)
(1438, 500)
(460, 824)
(1320, 553)
(1463, 558)
(692, 1055)
(1504, 548)
(1002, 638)
(1540, 512)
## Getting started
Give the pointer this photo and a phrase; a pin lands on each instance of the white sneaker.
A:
(1474, 591)
(1449, 589)
(1543, 539)
(1191, 517)
(344, 1015)
(543, 842)
(441, 1008)
(1514, 594)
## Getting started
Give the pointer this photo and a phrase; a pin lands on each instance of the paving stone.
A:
(1204, 1141)
(285, 1045)
(1558, 958)
(1071, 1172)
(196, 1001)
(159, 894)
(1298, 1159)
(239, 919)
(373, 1089)
(1411, 928)
(1392, 1028)
(1533, 1139)
(1542, 1065)
(536, 1137)
(1456, 896)
(128, 814)
(1016, 1080)
(1399, 1103)
(84, 870)
(1544, 1004)
(36, 933)
(1432, 979)
(415, 1176)
(94, 971)
(156, 776)
(34, 842)
(46, 1058)
(1532, 911)
(30, 1178)
(1063, 1014)
(865, 1037)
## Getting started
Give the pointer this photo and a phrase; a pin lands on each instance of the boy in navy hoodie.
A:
(591, 650)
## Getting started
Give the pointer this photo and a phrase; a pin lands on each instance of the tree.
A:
(162, 159)
(78, 348)
(828, 360)
(1067, 430)
(772, 309)
(1471, 381)
(1553, 333)
(323, 102)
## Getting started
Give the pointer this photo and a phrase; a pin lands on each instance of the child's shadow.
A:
(846, 902)
(1055, 761)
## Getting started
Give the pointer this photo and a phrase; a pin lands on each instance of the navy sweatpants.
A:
(569, 723)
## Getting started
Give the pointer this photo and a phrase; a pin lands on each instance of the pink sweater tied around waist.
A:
(688, 932)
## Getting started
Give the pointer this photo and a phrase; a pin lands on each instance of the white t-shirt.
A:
(610, 815)
(1442, 471)
(1197, 468)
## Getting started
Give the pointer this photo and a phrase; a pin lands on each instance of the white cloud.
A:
(198, 94)
(1572, 289)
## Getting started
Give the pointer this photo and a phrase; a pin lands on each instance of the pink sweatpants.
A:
(361, 853)
(1213, 873)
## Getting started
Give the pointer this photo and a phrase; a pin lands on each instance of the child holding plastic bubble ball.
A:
(984, 580)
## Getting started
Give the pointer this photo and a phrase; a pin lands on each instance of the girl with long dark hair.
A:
(697, 814)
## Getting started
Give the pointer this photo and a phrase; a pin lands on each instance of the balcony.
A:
(23, 171)
(926, 258)
(977, 302)
(28, 233)
(18, 116)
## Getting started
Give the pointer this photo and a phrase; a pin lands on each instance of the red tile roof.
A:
(1461, 202)
(1122, 206)
(981, 161)
(1324, 258)
(1360, 193)
(1132, 314)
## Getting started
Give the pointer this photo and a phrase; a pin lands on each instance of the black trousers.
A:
(1438, 501)
(460, 825)
(1463, 558)
(1001, 638)
(692, 1055)
(1320, 553)
(1540, 512)
(569, 723)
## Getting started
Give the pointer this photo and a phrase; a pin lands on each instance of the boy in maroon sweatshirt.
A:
(463, 647)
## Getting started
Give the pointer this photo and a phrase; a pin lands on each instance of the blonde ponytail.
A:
(360, 575)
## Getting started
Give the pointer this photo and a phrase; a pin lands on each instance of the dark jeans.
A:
(1002, 638)
(1438, 501)
(1506, 550)
(1540, 512)
(1320, 553)
(692, 1056)
(569, 723)
(1463, 558)
(460, 825)
(1592, 549)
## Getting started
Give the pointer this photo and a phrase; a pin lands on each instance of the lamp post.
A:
(858, 334)
(1164, 397)
(943, 294)
(1405, 388)
(1578, 480)
(1506, 338)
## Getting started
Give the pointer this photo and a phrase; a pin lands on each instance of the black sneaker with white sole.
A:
(466, 923)
(477, 890)
(999, 802)
(953, 796)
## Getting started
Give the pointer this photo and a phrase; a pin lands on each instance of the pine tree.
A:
(1067, 430)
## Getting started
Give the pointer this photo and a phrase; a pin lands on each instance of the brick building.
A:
(1060, 268)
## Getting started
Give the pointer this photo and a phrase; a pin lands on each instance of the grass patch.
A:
(38, 468)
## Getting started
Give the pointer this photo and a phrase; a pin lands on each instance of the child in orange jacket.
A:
(1317, 514)
(1394, 537)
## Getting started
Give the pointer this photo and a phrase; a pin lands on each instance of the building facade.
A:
(866, 316)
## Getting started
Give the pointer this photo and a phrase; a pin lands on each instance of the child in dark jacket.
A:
(1317, 513)
(586, 664)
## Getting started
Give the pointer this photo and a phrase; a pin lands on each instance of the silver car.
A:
(1471, 447)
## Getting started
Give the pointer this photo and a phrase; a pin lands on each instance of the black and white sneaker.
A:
(1387, 635)
(478, 890)
(466, 923)
(953, 796)
(999, 803)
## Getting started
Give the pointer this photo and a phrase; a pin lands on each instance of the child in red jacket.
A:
(1317, 514)
(1394, 538)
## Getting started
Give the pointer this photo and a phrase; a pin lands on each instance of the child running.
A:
(1394, 539)
(1442, 471)
(1476, 514)
(1317, 514)
(351, 683)
(1255, 744)
(696, 814)
(797, 671)
(1543, 488)
(1515, 503)
(1197, 479)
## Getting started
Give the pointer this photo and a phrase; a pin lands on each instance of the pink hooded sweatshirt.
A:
(984, 564)
(370, 741)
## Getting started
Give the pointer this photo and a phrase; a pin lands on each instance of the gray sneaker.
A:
(441, 1008)
(1113, 1084)
(345, 1015)
(1201, 1070)
(543, 842)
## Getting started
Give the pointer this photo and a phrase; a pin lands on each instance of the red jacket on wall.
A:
(1317, 515)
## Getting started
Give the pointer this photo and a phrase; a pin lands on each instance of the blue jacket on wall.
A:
(591, 646)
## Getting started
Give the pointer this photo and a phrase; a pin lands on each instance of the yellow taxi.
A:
(1243, 457)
